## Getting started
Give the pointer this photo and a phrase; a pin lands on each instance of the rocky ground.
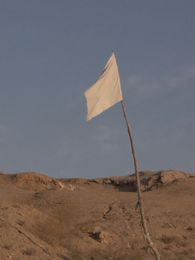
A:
(45, 218)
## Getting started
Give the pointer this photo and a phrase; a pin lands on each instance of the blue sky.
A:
(52, 51)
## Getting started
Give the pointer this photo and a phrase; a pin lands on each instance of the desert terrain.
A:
(47, 219)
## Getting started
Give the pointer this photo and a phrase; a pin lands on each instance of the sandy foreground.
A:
(45, 218)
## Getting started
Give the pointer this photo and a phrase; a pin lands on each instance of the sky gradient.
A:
(52, 51)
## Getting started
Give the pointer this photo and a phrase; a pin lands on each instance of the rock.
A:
(171, 176)
(100, 235)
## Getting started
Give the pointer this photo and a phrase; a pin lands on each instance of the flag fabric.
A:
(106, 92)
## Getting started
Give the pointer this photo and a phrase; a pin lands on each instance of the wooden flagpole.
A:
(139, 194)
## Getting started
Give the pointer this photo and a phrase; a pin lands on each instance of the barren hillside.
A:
(45, 218)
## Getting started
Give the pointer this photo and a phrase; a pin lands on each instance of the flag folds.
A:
(106, 92)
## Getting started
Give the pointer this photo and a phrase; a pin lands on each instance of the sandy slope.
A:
(42, 218)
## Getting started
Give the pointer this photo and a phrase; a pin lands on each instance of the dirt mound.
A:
(96, 219)
(149, 180)
(29, 180)
(171, 176)
(162, 178)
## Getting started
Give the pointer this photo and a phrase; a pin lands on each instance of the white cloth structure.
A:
(106, 92)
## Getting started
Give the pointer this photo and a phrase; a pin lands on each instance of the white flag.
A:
(106, 92)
